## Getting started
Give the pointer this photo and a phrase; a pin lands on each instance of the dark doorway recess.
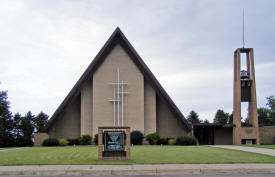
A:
(205, 133)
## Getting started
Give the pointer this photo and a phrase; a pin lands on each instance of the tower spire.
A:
(243, 29)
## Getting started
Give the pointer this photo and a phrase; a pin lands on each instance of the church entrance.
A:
(205, 133)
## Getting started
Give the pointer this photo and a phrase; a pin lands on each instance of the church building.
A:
(117, 89)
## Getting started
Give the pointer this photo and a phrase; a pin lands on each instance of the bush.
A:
(96, 139)
(85, 140)
(163, 141)
(172, 141)
(186, 140)
(136, 137)
(63, 142)
(50, 142)
(74, 141)
(152, 138)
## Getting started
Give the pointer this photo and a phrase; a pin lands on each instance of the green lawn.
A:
(4, 148)
(139, 155)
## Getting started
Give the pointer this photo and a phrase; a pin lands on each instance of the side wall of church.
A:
(103, 114)
(86, 109)
(68, 124)
(149, 109)
(168, 125)
(223, 136)
(267, 135)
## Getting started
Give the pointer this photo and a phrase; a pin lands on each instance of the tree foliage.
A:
(206, 121)
(221, 117)
(41, 121)
(6, 122)
(271, 102)
(266, 116)
(27, 128)
(18, 130)
(193, 117)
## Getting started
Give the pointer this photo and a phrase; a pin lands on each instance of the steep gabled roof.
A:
(118, 38)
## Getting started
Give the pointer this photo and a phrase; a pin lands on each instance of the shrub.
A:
(74, 141)
(186, 140)
(172, 141)
(136, 137)
(50, 142)
(85, 139)
(152, 138)
(163, 141)
(96, 139)
(63, 142)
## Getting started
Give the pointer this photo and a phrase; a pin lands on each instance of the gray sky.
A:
(45, 46)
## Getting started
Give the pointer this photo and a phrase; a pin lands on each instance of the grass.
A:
(139, 155)
(6, 148)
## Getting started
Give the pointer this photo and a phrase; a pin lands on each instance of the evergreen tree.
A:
(27, 127)
(6, 123)
(221, 117)
(41, 121)
(17, 131)
(193, 117)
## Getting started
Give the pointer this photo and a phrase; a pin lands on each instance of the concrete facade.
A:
(89, 105)
(67, 124)
(168, 125)
(150, 109)
(133, 102)
(86, 114)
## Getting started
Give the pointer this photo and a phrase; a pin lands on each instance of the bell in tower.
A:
(245, 91)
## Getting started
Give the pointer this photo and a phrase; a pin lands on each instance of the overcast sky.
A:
(45, 46)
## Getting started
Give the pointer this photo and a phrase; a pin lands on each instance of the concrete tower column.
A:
(237, 99)
(245, 91)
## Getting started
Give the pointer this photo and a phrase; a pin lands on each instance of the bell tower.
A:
(245, 91)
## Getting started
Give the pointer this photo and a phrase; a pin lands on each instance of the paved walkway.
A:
(136, 169)
(11, 149)
(249, 149)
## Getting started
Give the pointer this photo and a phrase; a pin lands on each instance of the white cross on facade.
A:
(116, 100)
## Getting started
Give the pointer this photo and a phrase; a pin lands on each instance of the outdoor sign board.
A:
(114, 140)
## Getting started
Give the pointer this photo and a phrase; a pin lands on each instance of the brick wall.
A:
(267, 134)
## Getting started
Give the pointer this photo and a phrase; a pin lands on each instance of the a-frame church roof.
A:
(118, 38)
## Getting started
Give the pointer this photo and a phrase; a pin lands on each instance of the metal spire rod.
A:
(243, 29)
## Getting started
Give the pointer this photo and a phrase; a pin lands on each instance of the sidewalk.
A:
(136, 169)
(249, 149)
